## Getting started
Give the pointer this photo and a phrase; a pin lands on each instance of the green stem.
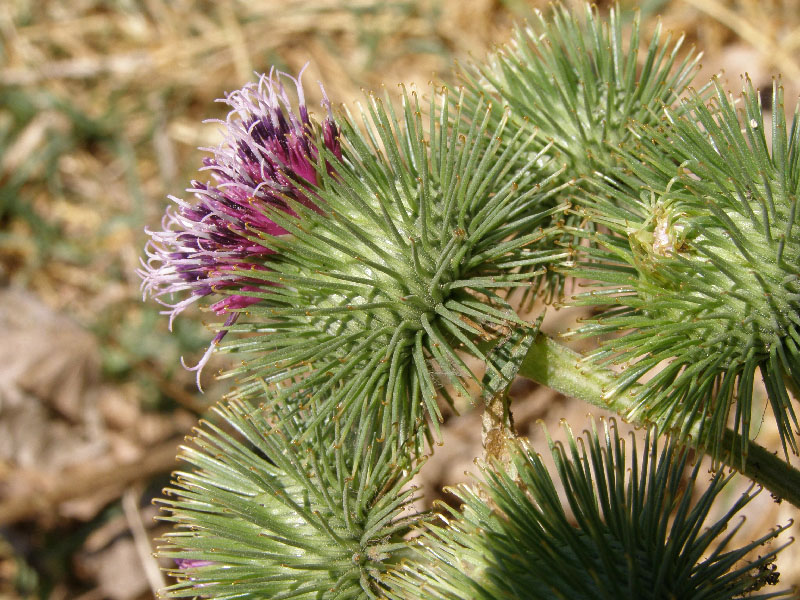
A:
(556, 366)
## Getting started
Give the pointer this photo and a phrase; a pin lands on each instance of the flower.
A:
(266, 162)
(268, 517)
(407, 269)
(355, 274)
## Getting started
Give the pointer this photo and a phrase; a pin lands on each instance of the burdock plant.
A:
(360, 260)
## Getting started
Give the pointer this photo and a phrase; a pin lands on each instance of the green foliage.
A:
(637, 536)
(702, 267)
(262, 517)
(401, 268)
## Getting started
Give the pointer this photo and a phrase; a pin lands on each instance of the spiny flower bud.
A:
(354, 263)
(259, 516)
(637, 531)
(267, 158)
(579, 82)
(703, 268)
(375, 297)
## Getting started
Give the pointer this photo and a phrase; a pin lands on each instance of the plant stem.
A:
(498, 429)
(556, 366)
(498, 422)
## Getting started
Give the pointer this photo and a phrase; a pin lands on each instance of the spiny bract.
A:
(703, 267)
(639, 534)
(262, 517)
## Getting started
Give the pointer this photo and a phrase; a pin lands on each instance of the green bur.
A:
(634, 532)
(276, 519)
(702, 268)
(404, 265)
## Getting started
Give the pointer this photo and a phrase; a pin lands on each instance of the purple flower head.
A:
(268, 156)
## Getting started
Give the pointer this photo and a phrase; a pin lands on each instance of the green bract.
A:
(580, 84)
(400, 267)
(636, 532)
(703, 267)
(262, 517)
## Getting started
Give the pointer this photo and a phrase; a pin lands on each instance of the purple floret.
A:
(191, 563)
(266, 161)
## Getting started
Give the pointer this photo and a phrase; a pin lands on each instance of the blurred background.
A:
(102, 106)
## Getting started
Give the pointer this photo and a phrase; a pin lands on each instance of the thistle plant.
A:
(359, 260)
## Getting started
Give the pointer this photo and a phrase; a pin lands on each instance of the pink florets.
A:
(267, 159)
